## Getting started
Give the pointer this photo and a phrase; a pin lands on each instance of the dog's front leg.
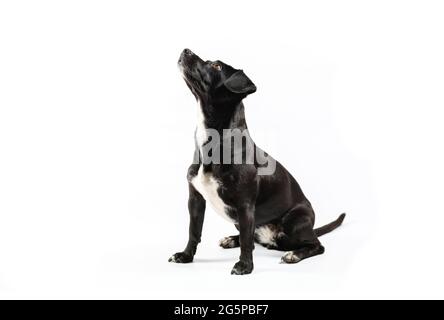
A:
(246, 237)
(196, 208)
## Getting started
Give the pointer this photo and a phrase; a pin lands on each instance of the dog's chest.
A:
(208, 187)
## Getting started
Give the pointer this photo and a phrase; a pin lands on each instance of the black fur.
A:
(276, 200)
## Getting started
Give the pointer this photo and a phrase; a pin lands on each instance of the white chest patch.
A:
(207, 187)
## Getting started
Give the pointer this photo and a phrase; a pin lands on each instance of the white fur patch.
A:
(266, 235)
(207, 187)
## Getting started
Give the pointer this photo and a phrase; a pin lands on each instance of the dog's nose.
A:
(187, 51)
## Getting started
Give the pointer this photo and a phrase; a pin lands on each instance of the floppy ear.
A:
(240, 83)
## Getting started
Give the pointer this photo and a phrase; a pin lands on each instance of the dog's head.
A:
(214, 81)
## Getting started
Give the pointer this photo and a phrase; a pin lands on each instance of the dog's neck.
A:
(218, 117)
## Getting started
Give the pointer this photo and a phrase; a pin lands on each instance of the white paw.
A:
(227, 242)
(290, 257)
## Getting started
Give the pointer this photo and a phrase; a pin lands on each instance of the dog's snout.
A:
(187, 57)
(187, 52)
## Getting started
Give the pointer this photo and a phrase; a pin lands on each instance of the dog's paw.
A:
(290, 257)
(181, 257)
(242, 267)
(229, 242)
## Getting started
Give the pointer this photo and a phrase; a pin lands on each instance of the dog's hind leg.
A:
(299, 239)
(230, 242)
(306, 251)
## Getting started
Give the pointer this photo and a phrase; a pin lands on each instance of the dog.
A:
(269, 209)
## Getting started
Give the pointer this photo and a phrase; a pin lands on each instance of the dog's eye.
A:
(216, 66)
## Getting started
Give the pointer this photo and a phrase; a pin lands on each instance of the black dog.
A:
(269, 208)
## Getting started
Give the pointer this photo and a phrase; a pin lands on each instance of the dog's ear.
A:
(240, 83)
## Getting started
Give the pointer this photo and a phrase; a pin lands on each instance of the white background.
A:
(96, 134)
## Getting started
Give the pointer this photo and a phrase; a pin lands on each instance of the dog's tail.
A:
(330, 227)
